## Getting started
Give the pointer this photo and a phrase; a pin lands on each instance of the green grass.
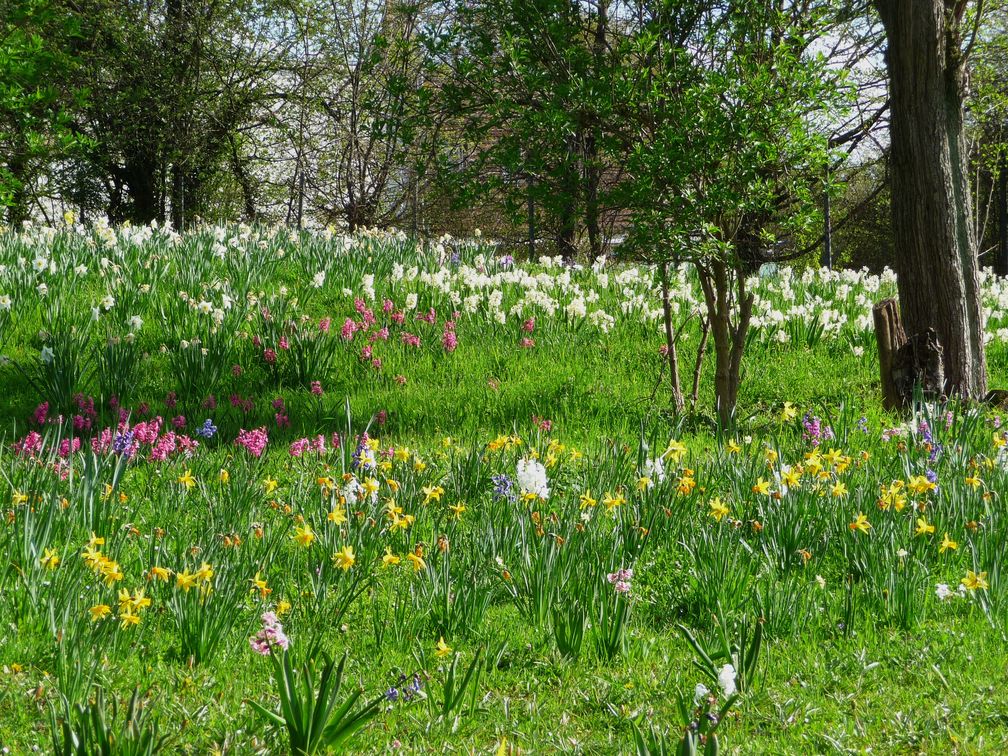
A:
(837, 674)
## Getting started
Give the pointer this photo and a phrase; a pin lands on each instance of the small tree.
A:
(732, 107)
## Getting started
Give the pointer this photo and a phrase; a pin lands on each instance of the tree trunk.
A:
(935, 249)
(724, 291)
(670, 341)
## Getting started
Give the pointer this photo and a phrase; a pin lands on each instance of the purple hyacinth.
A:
(503, 487)
(122, 442)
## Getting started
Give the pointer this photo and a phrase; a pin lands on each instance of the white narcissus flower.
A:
(47, 355)
(5, 302)
(135, 323)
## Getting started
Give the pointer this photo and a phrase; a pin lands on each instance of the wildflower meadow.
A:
(267, 491)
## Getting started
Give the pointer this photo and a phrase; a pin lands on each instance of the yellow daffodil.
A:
(185, 580)
(49, 559)
(761, 487)
(587, 500)
(718, 509)
(304, 535)
(99, 611)
(345, 558)
(611, 501)
(417, 561)
(974, 580)
(259, 584)
(923, 528)
(442, 649)
(270, 485)
(947, 544)
(686, 484)
(791, 477)
(675, 451)
(918, 484)
(788, 412)
(187, 479)
(390, 559)
(860, 524)
(432, 493)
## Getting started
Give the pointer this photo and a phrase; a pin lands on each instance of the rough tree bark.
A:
(935, 252)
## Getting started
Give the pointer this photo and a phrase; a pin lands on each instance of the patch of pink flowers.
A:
(620, 580)
(271, 636)
(304, 446)
(254, 441)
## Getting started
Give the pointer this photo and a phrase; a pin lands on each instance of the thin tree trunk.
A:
(935, 248)
(670, 342)
(698, 365)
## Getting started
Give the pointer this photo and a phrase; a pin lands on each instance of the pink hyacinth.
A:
(39, 416)
(271, 636)
(529, 325)
(29, 446)
(348, 329)
(254, 441)
(527, 343)
(325, 324)
(449, 341)
(316, 388)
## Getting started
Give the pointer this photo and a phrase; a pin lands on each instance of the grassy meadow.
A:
(232, 456)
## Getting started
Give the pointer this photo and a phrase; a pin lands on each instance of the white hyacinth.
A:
(532, 478)
(726, 679)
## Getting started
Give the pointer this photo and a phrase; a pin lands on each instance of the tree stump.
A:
(890, 337)
(905, 363)
(919, 363)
